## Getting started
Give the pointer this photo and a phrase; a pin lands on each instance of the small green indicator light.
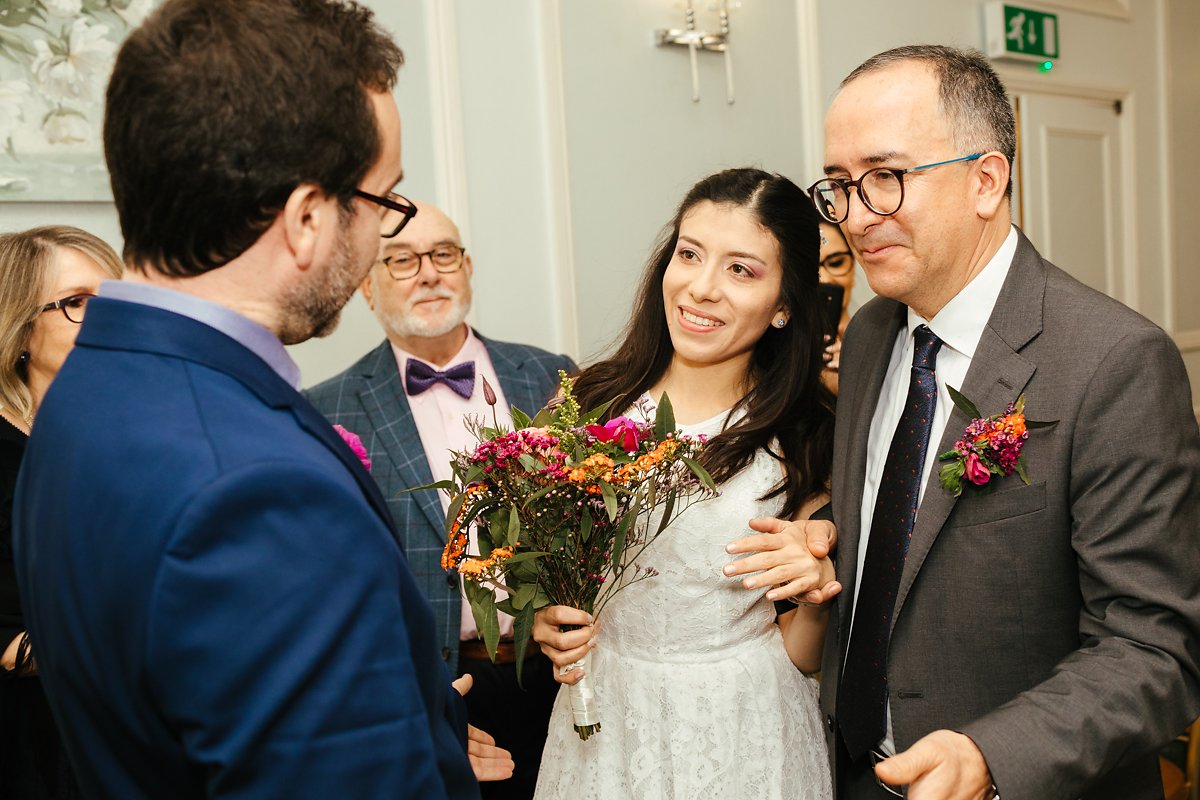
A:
(1047, 66)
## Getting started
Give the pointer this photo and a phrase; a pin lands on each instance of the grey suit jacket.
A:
(1056, 624)
(369, 399)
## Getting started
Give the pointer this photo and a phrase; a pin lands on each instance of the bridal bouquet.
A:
(562, 508)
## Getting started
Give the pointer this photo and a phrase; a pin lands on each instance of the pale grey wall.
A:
(638, 142)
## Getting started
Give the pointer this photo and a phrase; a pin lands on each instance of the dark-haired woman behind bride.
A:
(703, 691)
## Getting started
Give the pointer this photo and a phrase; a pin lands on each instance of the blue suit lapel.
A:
(386, 406)
(116, 325)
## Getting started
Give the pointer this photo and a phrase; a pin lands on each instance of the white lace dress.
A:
(696, 695)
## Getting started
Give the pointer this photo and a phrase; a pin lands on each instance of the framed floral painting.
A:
(55, 60)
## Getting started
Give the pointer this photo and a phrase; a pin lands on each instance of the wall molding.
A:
(445, 95)
(812, 101)
(1187, 341)
(1120, 9)
(560, 231)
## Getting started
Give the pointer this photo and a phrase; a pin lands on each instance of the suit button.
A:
(829, 721)
(451, 580)
(445, 654)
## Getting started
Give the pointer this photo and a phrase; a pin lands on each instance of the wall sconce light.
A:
(696, 41)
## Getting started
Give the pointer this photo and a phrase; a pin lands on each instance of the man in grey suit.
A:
(407, 399)
(1027, 640)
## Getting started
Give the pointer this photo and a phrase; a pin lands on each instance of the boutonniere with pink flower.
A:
(990, 447)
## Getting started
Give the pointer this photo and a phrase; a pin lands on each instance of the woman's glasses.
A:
(72, 307)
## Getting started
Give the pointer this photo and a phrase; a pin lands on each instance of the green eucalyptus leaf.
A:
(585, 526)
(522, 633)
(1031, 424)
(520, 419)
(595, 414)
(528, 555)
(524, 595)
(483, 609)
(514, 527)
(664, 418)
(438, 486)
(541, 419)
(1021, 472)
(668, 510)
(964, 405)
(610, 499)
(700, 472)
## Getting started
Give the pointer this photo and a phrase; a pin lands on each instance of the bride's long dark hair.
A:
(788, 411)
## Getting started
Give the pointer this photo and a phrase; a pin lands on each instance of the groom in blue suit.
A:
(407, 399)
(217, 598)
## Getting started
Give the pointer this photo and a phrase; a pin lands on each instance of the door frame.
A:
(1021, 83)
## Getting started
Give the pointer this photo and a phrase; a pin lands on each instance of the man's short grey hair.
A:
(972, 96)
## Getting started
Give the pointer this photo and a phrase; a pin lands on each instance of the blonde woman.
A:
(47, 276)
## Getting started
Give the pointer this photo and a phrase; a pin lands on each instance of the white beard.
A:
(405, 323)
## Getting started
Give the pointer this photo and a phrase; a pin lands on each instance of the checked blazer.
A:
(369, 399)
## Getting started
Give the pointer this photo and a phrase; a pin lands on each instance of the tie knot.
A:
(926, 348)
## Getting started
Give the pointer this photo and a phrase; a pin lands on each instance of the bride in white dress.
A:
(701, 688)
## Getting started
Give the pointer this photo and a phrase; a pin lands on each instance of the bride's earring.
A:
(779, 323)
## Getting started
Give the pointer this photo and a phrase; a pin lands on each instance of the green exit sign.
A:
(1016, 32)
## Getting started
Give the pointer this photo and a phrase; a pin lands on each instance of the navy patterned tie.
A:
(862, 692)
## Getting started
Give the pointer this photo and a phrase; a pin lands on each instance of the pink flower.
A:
(621, 431)
(975, 470)
(356, 445)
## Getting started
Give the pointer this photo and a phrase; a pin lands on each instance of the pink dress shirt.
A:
(440, 416)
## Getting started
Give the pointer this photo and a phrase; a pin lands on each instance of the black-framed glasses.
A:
(403, 264)
(392, 202)
(881, 190)
(72, 307)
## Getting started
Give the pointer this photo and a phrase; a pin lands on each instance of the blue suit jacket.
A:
(219, 603)
(369, 399)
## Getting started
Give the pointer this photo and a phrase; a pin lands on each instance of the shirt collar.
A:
(243, 330)
(960, 323)
(472, 350)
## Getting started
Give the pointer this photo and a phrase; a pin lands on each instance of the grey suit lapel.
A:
(386, 405)
(998, 374)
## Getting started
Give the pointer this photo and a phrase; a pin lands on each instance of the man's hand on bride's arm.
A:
(564, 647)
(793, 557)
(488, 762)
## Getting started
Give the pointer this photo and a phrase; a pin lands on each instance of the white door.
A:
(1069, 193)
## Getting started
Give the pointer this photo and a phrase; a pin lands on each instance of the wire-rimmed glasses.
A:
(392, 202)
(404, 263)
(72, 307)
(881, 190)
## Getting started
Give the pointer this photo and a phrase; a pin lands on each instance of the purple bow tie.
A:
(419, 376)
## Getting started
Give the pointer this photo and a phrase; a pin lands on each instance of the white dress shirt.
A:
(959, 325)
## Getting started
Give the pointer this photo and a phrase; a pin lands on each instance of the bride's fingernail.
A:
(771, 595)
(727, 569)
